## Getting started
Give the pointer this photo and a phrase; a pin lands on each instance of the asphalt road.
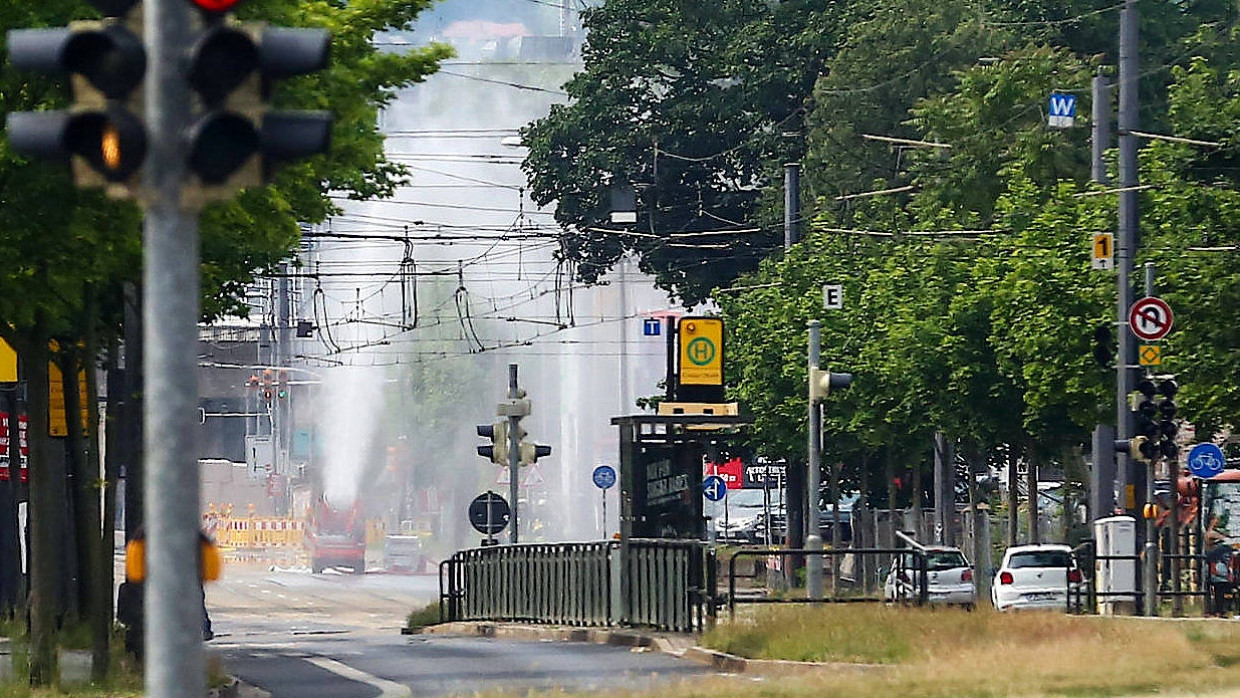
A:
(299, 635)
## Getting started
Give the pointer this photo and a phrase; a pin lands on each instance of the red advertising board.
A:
(732, 471)
(4, 446)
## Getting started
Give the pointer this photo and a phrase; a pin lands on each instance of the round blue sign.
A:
(714, 488)
(604, 477)
(1205, 460)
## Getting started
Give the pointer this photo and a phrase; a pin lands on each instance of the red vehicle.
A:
(336, 537)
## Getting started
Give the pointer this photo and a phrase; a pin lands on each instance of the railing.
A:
(665, 584)
(910, 589)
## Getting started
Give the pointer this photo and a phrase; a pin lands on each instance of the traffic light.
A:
(822, 382)
(530, 452)
(101, 136)
(236, 140)
(1154, 421)
(497, 451)
(268, 384)
(282, 385)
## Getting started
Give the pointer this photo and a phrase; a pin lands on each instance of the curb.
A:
(236, 688)
(721, 661)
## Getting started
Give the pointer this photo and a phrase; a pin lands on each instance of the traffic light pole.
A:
(514, 453)
(175, 661)
(813, 541)
(1150, 554)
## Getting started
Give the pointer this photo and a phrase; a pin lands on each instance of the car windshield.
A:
(1040, 558)
(747, 498)
(945, 559)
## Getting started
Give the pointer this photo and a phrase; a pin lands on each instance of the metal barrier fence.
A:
(1084, 597)
(910, 584)
(664, 584)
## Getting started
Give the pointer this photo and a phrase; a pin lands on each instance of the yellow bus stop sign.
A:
(701, 351)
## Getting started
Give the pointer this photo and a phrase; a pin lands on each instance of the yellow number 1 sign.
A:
(1104, 251)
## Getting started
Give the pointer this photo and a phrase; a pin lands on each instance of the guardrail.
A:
(911, 589)
(664, 584)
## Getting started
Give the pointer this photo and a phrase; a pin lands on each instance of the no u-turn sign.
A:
(1150, 319)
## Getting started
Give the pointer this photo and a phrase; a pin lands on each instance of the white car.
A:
(949, 578)
(1035, 576)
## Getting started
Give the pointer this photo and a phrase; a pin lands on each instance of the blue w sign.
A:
(1061, 110)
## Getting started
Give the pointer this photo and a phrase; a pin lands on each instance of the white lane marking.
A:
(390, 689)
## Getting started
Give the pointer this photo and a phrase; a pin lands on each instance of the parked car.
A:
(1035, 576)
(949, 578)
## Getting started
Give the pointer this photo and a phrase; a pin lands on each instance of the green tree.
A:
(64, 252)
(689, 102)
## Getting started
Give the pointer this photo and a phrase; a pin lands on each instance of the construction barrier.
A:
(259, 532)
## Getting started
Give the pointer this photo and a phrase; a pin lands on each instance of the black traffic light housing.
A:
(236, 140)
(102, 136)
(497, 450)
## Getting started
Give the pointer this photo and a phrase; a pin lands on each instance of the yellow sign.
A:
(1150, 355)
(57, 425)
(8, 363)
(1104, 251)
(701, 351)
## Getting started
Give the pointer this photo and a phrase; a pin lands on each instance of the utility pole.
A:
(792, 204)
(175, 661)
(1126, 242)
(813, 541)
(514, 452)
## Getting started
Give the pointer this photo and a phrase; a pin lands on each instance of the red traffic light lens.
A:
(216, 5)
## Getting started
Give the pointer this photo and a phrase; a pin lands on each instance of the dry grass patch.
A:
(941, 652)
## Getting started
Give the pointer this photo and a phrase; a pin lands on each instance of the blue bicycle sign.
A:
(1205, 461)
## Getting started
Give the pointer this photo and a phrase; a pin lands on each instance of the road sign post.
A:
(489, 514)
(1103, 249)
(604, 477)
(1061, 110)
(1205, 461)
(1150, 319)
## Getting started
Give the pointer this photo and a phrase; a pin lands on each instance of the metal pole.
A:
(940, 479)
(792, 204)
(1100, 127)
(1151, 531)
(175, 662)
(813, 541)
(514, 454)
(1126, 247)
(604, 514)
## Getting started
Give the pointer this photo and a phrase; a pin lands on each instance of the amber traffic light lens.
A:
(111, 147)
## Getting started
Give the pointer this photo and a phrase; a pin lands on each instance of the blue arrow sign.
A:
(1205, 460)
(604, 477)
(714, 488)
(651, 327)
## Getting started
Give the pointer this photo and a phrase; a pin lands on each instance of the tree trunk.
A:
(46, 509)
(100, 617)
(1013, 488)
(1031, 484)
(85, 507)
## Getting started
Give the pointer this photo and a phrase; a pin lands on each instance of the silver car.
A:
(949, 578)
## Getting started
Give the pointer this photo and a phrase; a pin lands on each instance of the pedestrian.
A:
(1218, 565)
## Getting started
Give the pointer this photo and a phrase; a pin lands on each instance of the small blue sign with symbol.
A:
(651, 327)
(1205, 460)
(714, 488)
(604, 477)
(1060, 110)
